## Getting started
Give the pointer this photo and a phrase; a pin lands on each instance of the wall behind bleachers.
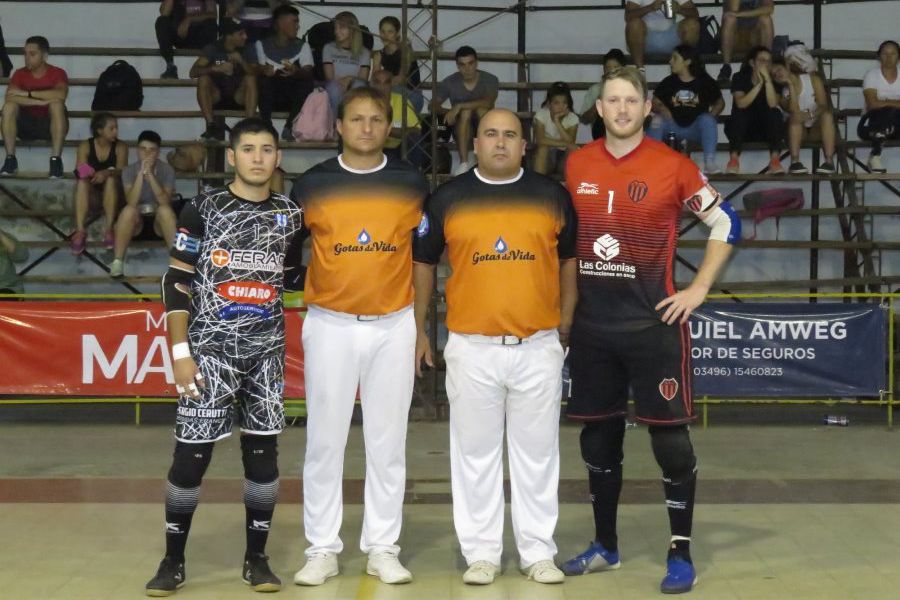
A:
(860, 25)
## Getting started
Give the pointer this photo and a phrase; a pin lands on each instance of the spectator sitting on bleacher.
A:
(472, 92)
(346, 60)
(804, 98)
(613, 59)
(881, 90)
(390, 58)
(555, 130)
(11, 251)
(755, 113)
(649, 31)
(256, 15)
(98, 164)
(686, 103)
(184, 24)
(35, 106)
(745, 24)
(383, 82)
(225, 77)
(284, 69)
(149, 185)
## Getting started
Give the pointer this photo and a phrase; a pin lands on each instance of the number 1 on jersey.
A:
(610, 203)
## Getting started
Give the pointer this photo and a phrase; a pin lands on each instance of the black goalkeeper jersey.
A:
(239, 250)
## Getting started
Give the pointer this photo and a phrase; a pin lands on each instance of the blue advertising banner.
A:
(789, 350)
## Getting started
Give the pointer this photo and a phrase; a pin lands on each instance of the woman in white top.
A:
(881, 88)
(346, 60)
(555, 129)
(804, 98)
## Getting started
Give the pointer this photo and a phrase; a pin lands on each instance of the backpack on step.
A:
(315, 121)
(119, 88)
(710, 41)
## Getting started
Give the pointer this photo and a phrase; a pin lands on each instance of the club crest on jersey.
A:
(668, 387)
(281, 220)
(606, 247)
(637, 191)
(502, 251)
(424, 226)
(588, 189)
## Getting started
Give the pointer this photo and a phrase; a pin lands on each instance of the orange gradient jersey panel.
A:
(504, 243)
(505, 267)
(362, 251)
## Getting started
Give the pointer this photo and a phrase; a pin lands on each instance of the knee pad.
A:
(674, 452)
(189, 463)
(260, 457)
(601, 445)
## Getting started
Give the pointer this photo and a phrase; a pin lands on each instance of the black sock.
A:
(606, 485)
(259, 502)
(680, 504)
(681, 549)
(180, 506)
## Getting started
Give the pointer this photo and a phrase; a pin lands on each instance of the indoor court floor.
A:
(784, 512)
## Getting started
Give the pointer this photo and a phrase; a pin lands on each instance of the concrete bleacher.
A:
(170, 108)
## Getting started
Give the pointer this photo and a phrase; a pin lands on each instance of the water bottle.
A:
(668, 9)
(836, 420)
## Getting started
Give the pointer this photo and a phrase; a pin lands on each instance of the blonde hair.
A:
(349, 20)
(631, 74)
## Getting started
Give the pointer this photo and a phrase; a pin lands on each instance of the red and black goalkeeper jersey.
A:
(628, 212)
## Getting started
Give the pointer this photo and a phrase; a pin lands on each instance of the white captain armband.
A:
(724, 224)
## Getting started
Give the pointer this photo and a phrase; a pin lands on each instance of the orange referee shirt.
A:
(362, 225)
(504, 242)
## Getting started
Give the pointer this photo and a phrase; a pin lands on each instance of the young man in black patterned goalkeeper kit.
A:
(235, 250)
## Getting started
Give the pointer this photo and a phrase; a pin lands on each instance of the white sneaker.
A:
(386, 566)
(875, 164)
(544, 571)
(480, 572)
(317, 569)
(117, 268)
(711, 168)
(463, 167)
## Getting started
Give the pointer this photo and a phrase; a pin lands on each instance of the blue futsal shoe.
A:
(680, 576)
(595, 558)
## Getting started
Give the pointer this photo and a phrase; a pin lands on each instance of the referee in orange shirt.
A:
(510, 236)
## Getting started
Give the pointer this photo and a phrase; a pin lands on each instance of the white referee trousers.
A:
(341, 352)
(489, 385)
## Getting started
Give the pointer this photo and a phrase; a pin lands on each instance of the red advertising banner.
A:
(101, 349)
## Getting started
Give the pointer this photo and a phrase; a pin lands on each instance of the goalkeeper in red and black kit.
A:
(236, 249)
(630, 332)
